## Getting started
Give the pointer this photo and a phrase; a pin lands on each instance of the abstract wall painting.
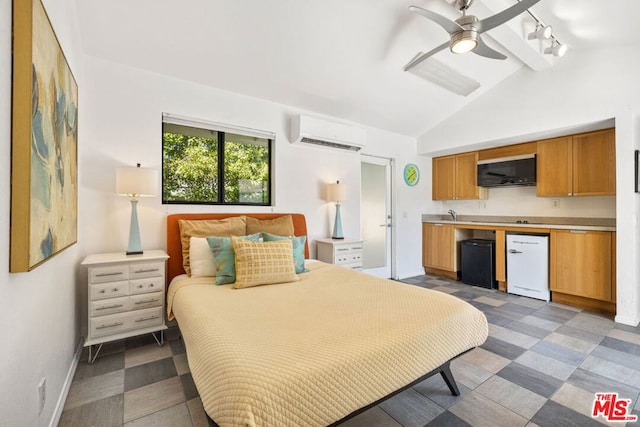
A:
(44, 183)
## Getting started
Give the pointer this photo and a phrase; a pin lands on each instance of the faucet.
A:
(453, 214)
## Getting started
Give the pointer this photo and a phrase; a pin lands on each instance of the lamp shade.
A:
(136, 181)
(336, 192)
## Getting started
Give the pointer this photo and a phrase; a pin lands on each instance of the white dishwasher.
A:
(528, 265)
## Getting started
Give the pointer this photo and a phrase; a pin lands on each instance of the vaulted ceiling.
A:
(334, 57)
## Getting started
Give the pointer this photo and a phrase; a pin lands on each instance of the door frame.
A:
(390, 164)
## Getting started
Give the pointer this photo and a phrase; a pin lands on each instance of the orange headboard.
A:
(174, 245)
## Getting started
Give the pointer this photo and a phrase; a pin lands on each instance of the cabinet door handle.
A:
(147, 270)
(438, 225)
(144, 319)
(146, 301)
(578, 231)
(107, 307)
(513, 251)
(113, 325)
(109, 274)
(342, 249)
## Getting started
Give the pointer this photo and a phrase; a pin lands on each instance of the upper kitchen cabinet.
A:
(455, 177)
(577, 165)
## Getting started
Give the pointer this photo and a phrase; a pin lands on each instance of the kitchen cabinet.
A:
(577, 165)
(438, 247)
(455, 177)
(441, 248)
(583, 264)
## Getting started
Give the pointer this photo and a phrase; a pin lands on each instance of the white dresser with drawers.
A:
(344, 252)
(126, 296)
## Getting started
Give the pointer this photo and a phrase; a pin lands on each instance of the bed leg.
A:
(447, 376)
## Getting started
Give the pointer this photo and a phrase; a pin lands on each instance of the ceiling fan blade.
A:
(483, 49)
(421, 57)
(507, 14)
(448, 25)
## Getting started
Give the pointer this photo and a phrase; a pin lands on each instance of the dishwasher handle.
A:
(513, 251)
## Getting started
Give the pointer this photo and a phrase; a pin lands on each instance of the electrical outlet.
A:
(555, 203)
(42, 393)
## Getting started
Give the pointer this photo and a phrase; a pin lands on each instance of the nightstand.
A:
(126, 296)
(344, 252)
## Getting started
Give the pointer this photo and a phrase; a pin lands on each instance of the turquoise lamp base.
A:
(337, 225)
(135, 247)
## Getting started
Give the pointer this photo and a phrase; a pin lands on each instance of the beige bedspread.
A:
(308, 353)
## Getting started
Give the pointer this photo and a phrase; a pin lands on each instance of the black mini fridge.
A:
(478, 263)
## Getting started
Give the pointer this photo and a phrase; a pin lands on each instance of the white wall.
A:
(583, 87)
(522, 201)
(123, 126)
(39, 317)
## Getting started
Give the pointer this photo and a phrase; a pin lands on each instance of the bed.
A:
(314, 351)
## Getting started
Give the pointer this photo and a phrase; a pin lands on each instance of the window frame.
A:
(222, 130)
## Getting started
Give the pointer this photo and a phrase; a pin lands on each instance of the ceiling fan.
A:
(465, 31)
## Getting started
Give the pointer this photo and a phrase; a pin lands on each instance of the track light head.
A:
(542, 32)
(557, 49)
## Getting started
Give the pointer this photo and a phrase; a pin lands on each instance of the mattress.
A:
(309, 353)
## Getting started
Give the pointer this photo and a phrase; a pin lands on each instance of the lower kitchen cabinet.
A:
(440, 249)
(582, 268)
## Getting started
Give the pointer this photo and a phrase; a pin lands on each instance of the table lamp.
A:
(337, 193)
(135, 182)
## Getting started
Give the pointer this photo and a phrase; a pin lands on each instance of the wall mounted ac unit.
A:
(313, 131)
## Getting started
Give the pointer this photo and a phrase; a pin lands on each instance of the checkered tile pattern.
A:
(540, 366)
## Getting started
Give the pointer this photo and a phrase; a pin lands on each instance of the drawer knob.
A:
(151, 285)
(115, 289)
(102, 291)
(139, 286)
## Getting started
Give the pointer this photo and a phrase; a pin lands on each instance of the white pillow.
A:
(201, 258)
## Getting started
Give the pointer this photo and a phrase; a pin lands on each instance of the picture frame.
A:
(44, 185)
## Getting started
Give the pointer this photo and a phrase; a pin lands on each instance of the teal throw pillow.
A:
(225, 258)
(298, 249)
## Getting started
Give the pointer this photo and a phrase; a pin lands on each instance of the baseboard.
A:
(57, 413)
(627, 321)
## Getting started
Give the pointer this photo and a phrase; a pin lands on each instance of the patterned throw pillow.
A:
(224, 257)
(263, 263)
(298, 249)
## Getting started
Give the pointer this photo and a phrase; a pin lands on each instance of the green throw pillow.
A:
(225, 258)
(298, 249)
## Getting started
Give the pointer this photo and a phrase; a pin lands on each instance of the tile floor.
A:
(540, 366)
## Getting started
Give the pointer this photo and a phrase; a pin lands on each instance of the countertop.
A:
(587, 224)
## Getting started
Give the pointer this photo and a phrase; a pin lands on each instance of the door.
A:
(376, 221)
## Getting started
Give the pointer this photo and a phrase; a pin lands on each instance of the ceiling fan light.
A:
(542, 32)
(464, 41)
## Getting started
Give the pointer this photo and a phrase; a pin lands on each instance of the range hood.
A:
(508, 171)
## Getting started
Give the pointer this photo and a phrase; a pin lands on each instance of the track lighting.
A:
(545, 32)
(556, 48)
(542, 32)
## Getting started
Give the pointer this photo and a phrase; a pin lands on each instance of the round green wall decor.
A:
(411, 174)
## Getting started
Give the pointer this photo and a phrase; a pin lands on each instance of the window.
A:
(206, 163)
